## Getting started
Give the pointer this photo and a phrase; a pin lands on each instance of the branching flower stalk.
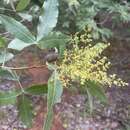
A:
(85, 62)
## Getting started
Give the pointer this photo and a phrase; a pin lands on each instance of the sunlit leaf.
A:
(17, 29)
(48, 19)
(26, 16)
(55, 90)
(17, 44)
(5, 56)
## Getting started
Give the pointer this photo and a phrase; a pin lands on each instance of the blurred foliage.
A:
(52, 24)
(75, 15)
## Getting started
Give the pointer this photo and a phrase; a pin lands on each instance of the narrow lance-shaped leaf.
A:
(9, 97)
(25, 110)
(22, 5)
(37, 89)
(90, 101)
(17, 29)
(18, 44)
(54, 96)
(48, 19)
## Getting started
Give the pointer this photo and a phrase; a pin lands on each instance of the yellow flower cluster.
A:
(86, 63)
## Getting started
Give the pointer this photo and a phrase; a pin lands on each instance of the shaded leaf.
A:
(95, 90)
(25, 110)
(55, 39)
(48, 19)
(37, 89)
(2, 42)
(22, 5)
(9, 97)
(6, 74)
(17, 29)
(5, 56)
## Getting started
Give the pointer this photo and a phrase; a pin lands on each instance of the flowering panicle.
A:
(83, 63)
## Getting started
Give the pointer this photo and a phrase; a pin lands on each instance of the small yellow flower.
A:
(65, 125)
(83, 63)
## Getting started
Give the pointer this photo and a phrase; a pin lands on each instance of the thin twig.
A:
(17, 78)
(3, 64)
(22, 68)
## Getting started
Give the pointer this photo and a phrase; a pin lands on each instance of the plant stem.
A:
(22, 68)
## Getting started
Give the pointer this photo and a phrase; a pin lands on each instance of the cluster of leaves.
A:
(20, 96)
(94, 14)
(44, 38)
(85, 60)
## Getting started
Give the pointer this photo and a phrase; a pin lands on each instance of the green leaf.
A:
(2, 42)
(51, 67)
(6, 74)
(17, 29)
(96, 90)
(26, 16)
(90, 101)
(9, 97)
(5, 56)
(37, 89)
(55, 39)
(49, 119)
(22, 5)
(55, 90)
(25, 110)
(18, 44)
(48, 19)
